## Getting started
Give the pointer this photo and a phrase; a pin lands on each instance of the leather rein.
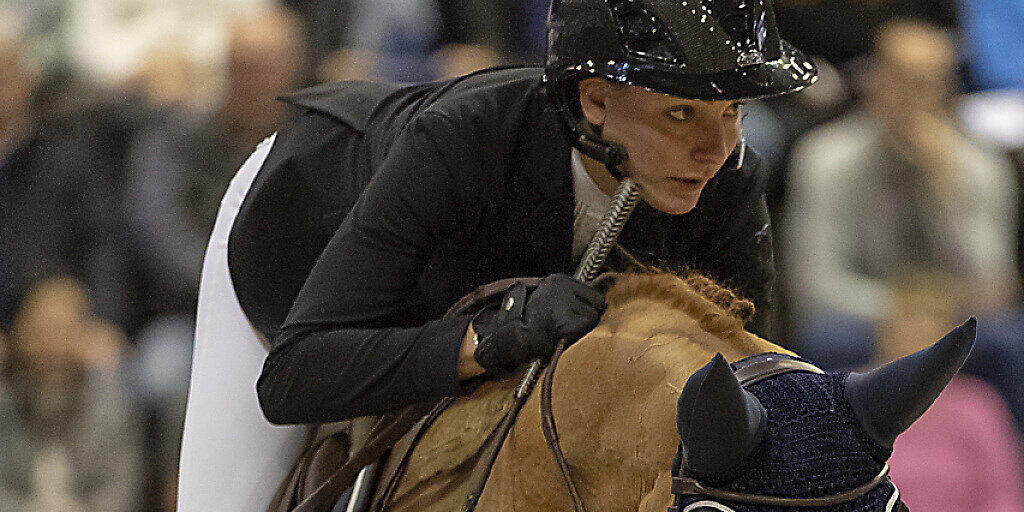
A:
(748, 371)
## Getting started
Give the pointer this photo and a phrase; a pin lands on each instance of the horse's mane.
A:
(717, 309)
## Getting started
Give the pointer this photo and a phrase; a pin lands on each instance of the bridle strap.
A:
(683, 486)
(754, 369)
(547, 423)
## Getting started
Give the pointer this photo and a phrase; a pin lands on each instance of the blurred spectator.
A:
(57, 216)
(68, 441)
(110, 40)
(324, 23)
(894, 183)
(418, 40)
(994, 34)
(180, 167)
(842, 30)
(473, 35)
(962, 455)
(997, 118)
(465, 34)
(389, 40)
(773, 125)
(178, 170)
(43, 32)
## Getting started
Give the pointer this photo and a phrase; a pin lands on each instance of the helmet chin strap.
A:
(612, 155)
(588, 140)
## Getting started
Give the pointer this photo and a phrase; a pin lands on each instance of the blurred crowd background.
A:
(895, 192)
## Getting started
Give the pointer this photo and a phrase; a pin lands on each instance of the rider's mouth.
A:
(687, 181)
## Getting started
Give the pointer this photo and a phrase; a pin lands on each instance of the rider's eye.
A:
(733, 110)
(682, 113)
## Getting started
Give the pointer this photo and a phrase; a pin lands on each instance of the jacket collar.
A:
(549, 200)
(549, 208)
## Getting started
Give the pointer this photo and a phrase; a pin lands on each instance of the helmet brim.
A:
(791, 72)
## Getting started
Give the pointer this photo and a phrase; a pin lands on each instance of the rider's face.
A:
(675, 145)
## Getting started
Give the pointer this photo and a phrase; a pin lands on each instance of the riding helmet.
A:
(695, 49)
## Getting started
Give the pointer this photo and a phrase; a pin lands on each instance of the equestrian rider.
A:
(382, 205)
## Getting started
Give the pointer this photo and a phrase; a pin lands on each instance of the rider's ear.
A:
(594, 94)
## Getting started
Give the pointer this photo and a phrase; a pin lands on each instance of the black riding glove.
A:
(509, 336)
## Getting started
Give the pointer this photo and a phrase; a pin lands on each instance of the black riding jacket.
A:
(382, 205)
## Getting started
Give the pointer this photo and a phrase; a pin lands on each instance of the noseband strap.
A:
(682, 486)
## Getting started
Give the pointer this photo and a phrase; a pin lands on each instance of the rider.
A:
(383, 204)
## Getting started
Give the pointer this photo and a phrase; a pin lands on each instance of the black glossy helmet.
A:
(696, 49)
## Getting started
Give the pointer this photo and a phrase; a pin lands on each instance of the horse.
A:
(637, 397)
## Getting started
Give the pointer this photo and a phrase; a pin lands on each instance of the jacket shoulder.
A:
(359, 103)
(352, 103)
(491, 91)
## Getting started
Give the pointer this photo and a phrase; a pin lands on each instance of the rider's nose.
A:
(711, 145)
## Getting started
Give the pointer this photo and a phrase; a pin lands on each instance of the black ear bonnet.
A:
(813, 446)
(803, 434)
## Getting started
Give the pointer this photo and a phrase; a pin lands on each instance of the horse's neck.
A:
(614, 400)
(631, 371)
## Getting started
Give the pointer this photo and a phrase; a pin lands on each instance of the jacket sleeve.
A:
(343, 350)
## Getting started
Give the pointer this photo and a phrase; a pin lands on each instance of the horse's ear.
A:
(888, 399)
(719, 422)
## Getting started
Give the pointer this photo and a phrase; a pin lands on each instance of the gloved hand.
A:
(560, 307)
